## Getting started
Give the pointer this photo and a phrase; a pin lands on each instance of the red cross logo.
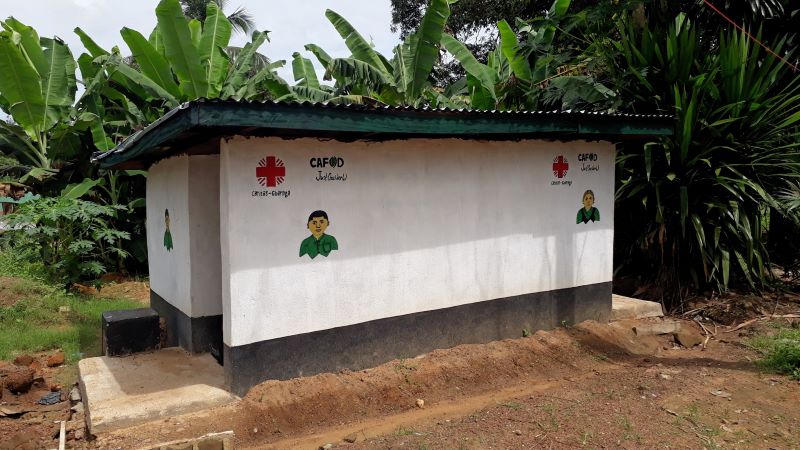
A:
(270, 171)
(560, 166)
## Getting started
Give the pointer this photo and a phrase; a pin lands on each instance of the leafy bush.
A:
(695, 206)
(72, 238)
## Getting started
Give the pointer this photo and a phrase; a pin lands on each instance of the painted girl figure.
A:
(588, 212)
(167, 234)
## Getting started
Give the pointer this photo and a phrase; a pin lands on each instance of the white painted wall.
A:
(206, 283)
(168, 188)
(421, 225)
(188, 276)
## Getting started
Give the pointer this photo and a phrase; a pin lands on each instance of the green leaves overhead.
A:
(55, 89)
(216, 35)
(180, 49)
(94, 49)
(402, 80)
(19, 84)
(239, 73)
(185, 59)
(424, 47)
(304, 72)
(37, 88)
(481, 78)
(323, 58)
(152, 63)
(511, 50)
(359, 46)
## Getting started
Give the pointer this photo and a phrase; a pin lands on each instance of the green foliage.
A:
(74, 239)
(187, 59)
(781, 351)
(241, 20)
(402, 80)
(38, 86)
(693, 205)
(22, 262)
(528, 73)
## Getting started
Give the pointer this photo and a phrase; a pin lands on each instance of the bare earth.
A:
(592, 385)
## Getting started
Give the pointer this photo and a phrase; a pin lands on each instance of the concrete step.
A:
(122, 392)
(632, 308)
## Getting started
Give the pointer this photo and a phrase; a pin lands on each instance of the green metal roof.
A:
(199, 121)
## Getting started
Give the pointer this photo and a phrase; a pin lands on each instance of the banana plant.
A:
(184, 59)
(403, 79)
(37, 89)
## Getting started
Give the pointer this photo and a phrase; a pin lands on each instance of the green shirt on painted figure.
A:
(585, 216)
(312, 246)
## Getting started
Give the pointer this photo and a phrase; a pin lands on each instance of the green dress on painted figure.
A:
(318, 243)
(167, 234)
(588, 212)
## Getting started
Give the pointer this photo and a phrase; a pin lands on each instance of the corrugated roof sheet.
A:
(426, 109)
(375, 121)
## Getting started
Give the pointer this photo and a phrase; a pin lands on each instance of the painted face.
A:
(317, 226)
(588, 201)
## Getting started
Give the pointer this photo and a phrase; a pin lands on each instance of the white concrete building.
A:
(293, 239)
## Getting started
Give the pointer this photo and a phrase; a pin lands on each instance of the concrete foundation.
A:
(122, 392)
(370, 344)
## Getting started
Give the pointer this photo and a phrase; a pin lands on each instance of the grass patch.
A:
(511, 405)
(403, 431)
(36, 316)
(781, 351)
(18, 264)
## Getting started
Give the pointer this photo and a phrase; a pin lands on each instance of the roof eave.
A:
(397, 122)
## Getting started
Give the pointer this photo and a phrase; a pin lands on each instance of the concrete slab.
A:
(633, 308)
(122, 392)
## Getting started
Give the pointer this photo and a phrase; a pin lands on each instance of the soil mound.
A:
(462, 371)
(138, 291)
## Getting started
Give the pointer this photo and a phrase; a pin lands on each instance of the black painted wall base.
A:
(195, 334)
(364, 345)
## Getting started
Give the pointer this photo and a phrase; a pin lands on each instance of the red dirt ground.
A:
(592, 385)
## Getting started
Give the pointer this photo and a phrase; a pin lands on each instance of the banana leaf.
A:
(481, 76)
(511, 50)
(238, 77)
(424, 46)
(19, 84)
(304, 73)
(55, 87)
(153, 65)
(180, 49)
(359, 47)
(216, 35)
(94, 49)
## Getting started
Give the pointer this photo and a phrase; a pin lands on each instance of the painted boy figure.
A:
(318, 243)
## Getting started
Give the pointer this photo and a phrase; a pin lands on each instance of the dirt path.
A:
(593, 386)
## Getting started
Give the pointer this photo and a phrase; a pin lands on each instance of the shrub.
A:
(72, 238)
(695, 206)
